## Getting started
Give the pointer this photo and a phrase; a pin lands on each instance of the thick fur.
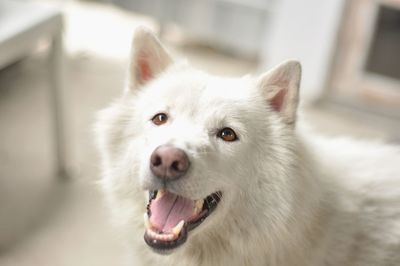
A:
(290, 198)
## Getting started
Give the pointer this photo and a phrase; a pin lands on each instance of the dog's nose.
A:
(168, 162)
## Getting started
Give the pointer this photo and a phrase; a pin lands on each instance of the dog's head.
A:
(198, 145)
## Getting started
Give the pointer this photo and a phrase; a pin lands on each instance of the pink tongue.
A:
(169, 210)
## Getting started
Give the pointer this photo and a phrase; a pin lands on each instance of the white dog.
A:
(224, 176)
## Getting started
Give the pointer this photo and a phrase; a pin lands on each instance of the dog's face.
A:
(189, 140)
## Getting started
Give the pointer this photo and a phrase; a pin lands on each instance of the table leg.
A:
(57, 104)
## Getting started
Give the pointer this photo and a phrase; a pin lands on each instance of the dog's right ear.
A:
(148, 58)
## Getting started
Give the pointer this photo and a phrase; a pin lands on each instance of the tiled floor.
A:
(65, 223)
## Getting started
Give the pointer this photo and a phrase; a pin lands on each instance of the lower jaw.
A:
(165, 247)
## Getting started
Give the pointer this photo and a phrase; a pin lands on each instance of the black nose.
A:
(168, 162)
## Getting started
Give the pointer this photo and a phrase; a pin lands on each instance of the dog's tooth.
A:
(166, 237)
(198, 206)
(146, 220)
(150, 232)
(170, 237)
(178, 228)
(160, 193)
(156, 236)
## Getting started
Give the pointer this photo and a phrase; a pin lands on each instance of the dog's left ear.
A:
(148, 58)
(280, 87)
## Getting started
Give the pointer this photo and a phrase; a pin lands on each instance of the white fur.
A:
(289, 196)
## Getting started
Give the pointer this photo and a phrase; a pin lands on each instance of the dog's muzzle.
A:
(170, 216)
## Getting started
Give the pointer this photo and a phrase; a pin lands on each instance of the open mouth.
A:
(170, 217)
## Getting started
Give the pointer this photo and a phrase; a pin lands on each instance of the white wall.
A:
(304, 30)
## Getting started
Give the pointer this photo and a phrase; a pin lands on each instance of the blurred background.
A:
(61, 61)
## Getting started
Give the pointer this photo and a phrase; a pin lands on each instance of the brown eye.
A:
(159, 119)
(227, 134)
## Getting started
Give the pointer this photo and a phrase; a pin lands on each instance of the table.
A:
(22, 25)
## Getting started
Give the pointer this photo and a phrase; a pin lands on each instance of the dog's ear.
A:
(148, 58)
(280, 87)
